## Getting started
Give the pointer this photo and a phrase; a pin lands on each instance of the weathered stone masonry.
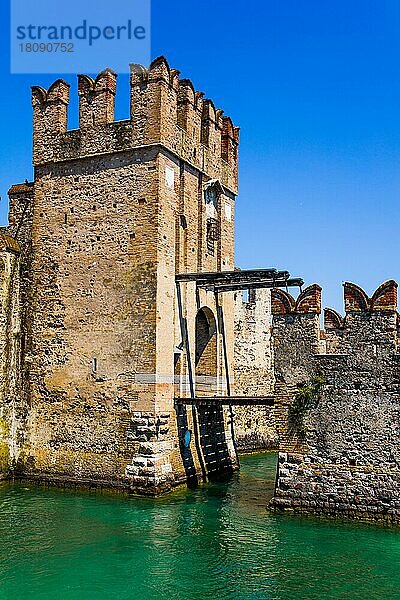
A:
(347, 459)
(116, 210)
(15, 276)
(255, 426)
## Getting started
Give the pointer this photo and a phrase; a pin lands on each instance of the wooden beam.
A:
(229, 400)
(295, 282)
(226, 281)
(185, 338)
(233, 276)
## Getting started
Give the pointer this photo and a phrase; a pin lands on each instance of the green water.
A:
(214, 542)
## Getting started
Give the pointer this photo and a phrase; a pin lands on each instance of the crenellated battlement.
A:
(295, 332)
(96, 99)
(190, 108)
(308, 301)
(164, 110)
(370, 325)
(357, 302)
(383, 299)
(50, 112)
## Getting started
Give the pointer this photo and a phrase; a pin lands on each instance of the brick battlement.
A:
(308, 301)
(370, 323)
(164, 110)
(383, 299)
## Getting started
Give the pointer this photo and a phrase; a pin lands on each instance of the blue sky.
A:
(315, 88)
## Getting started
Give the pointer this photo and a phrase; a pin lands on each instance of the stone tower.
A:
(118, 209)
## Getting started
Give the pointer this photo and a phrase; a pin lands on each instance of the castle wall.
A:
(345, 457)
(255, 427)
(296, 334)
(296, 340)
(95, 281)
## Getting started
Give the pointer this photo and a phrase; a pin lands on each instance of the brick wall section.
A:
(20, 228)
(296, 339)
(96, 99)
(255, 428)
(273, 360)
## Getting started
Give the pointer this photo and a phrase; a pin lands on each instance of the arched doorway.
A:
(206, 352)
(210, 415)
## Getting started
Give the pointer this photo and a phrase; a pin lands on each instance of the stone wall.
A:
(346, 459)
(15, 278)
(12, 409)
(296, 333)
(255, 427)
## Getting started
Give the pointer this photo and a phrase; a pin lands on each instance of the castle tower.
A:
(119, 209)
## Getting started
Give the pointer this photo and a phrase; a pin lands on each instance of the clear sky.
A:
(315, 88)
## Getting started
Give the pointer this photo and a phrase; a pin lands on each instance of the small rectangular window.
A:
(212, 234)
(169, 177)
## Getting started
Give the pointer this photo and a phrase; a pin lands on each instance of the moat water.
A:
(217, 541)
